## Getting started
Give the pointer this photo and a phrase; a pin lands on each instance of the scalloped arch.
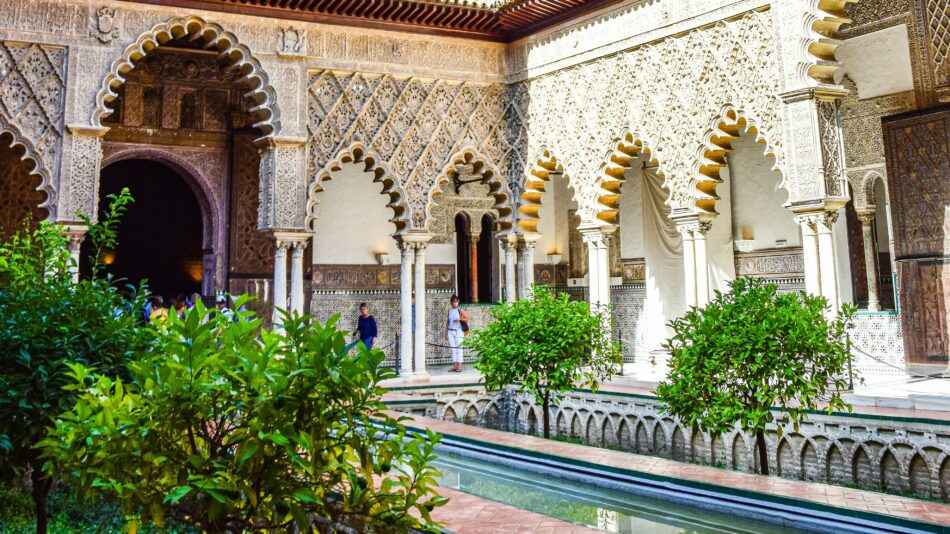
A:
(265, 111)
(628, 146)
(820, 25)
(372, 163)
(537, 175)
(39, 166)
(497, 186)
(723, 130)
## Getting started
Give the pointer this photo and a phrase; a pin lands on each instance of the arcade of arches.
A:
(642, 156)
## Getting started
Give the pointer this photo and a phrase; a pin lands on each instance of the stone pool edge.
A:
(700, 492)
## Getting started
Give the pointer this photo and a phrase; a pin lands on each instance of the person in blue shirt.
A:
(366, 327)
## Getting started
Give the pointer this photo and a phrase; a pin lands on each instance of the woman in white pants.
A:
(453, 333)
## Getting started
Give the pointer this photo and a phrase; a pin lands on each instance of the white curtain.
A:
(663, 253)
(719, 248)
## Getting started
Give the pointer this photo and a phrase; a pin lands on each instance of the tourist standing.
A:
(455, 327)
(366, 327)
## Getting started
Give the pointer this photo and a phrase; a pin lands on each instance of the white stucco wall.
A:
(553, 226)
(878, 62)
(353, 220)
(756, 198)
(843, 259)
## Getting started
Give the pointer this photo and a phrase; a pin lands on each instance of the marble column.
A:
(827, 262)
(280, 280)
(473, 264)
(810, 254)
(529, 247)
(296, 277)
(702, 264)
(689, 265)
(511, 283)
(598, 270)
(405, 308)
(419, 354)
(870, 257)
(75, 234)
(521, 272)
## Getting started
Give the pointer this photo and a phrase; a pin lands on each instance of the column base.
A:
(422, 375)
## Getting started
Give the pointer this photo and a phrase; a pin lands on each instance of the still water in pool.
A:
(582, 504)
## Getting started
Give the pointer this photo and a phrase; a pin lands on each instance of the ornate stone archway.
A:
(215, 37)
(214, 232)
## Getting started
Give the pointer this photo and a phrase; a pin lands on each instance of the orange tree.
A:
(47, 322)
(234, 428)
(549, 344)
(752, 349)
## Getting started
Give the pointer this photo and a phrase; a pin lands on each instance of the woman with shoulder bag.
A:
(455, 328)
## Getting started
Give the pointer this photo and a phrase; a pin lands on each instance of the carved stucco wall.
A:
(730, 56)
(32, 93)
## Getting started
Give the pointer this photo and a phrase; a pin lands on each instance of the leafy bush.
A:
(751, 349)
(234, 428)
(550, 344)
(47, 322)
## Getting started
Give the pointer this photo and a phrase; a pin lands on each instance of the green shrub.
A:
(550, 344)
(231, 427)
(47, 322)
(751, 349)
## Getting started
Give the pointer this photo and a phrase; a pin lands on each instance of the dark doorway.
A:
(160, 235)
(486, 260)
(463, 260)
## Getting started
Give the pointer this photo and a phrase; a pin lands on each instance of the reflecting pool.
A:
(582, 504)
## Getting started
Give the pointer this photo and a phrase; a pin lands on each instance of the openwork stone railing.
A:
(893, 454)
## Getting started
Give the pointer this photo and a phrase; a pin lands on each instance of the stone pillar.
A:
(695, 259)
(521, 282)
(280, 280)
(419, 352)
(473, 264)
(702, 265)
(827, 262)
(530, 242)
(79, 180)
(818, 244)
(511, 283)
(405, 308)
(810, 255)
(75, 234)
(296, 277)
(870, 257)
(598, 265)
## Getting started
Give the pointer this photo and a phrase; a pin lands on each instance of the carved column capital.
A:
(866, 216)
(283, 189)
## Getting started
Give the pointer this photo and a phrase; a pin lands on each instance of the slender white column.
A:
(702, 264)
(603, 267)
(598, 270)
(405, 303)
(280, 280)
(75, 234)
(420, 337)
(529, 268)
(870, 258)
(511, 283)
(521, 271)
(827, 264)
(689, 264)
(810, 255)
(296, 277)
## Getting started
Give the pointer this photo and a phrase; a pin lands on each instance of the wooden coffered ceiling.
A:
(494, 20)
